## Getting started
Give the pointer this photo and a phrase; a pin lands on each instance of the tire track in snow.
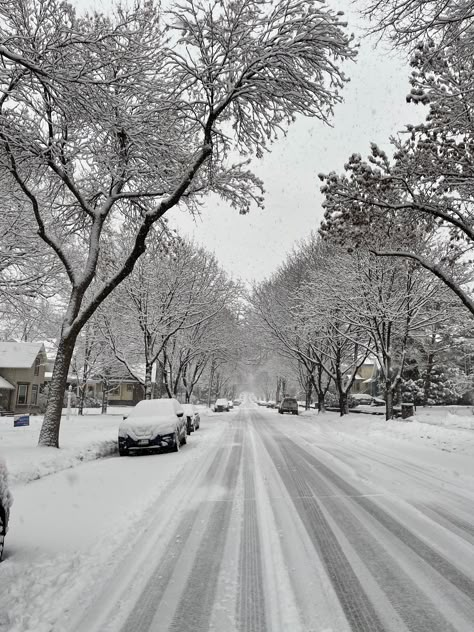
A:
(251, 600)
(355, 603)
(143, 613)
(464, 528)
(194, 610)
(432, 557)
(412, 605)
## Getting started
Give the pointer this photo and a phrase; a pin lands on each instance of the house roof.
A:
(5, 384)
(19, 355)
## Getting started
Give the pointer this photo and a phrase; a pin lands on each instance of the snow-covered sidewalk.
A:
(82, 438)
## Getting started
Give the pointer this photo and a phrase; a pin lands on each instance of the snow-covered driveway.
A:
(262, 523)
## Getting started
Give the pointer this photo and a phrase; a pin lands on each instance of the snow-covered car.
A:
(221, 405)
(153, 424)
(288, 405)
(5, 504)
(193, 420)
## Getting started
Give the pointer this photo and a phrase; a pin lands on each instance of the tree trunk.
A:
(105, 389)
(427, 380)
(148, 384)
(308, 393)
(321, 402)
(82, 397)
(388, 401)
(211, 379)
(343, 404)
(49, 435)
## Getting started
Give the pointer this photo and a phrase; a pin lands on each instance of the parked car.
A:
(221, 405)
(236, 402)
(153, 424)
(288, 405)
(193, 420)
(5, 504)
(271, 404)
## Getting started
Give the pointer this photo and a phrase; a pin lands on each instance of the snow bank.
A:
(82, 438)
(446, 428)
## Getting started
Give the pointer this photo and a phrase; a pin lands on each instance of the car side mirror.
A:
(180, 414)
(125, 417)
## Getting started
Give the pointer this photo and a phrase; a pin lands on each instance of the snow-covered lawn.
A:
(446, 428)
(82, 438)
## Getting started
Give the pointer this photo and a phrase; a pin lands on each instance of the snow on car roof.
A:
(156, 407)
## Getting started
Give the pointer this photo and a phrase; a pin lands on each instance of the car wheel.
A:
(2, 534)
(123, 451)
(185, 439)
(177, 442)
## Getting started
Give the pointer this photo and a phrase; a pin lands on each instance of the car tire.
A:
(185, 439)
(123, 451)
(2, 533)
(177, 442)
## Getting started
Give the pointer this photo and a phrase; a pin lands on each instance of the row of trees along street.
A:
(326, 311)
(107, 122)
(177, 313)
(397, 234)
(110, 121)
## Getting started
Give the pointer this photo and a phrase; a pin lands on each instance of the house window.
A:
(130, 388)
(34, 394)
(37, 365)
(22, 394)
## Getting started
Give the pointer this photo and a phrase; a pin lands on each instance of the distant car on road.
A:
(288, 405)
(236, 402)
(221, 406)
(5, 503)
(230, 404)
(193, 420)
(153, 424)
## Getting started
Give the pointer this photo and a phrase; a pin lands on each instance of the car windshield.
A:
(154, 407)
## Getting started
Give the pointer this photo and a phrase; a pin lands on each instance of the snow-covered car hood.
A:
(148, 426)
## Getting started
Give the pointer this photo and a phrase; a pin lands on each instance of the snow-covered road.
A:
(262, 523)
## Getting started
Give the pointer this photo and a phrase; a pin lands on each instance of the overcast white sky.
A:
(252, 246)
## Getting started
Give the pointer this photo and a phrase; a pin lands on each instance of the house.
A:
(367, 378)
(22, 368)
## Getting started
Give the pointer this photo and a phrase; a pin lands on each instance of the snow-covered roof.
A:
(5, 384)
(19, 355)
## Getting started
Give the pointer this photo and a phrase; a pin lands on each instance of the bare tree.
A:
(106, 119)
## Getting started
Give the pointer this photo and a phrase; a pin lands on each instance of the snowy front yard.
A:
(82, 438)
